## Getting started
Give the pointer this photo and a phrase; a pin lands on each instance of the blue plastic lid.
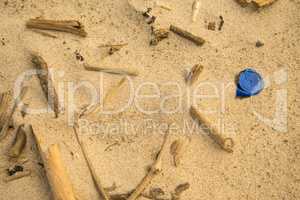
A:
(250, 83)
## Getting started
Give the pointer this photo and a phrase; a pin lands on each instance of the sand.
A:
(265, 162)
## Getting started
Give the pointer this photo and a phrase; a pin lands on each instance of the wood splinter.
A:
(194, 73)
(70, 26)
(226, 143)
(154, 170)
(46, 82)
(19, 142)
(187, 35)
(118, 71)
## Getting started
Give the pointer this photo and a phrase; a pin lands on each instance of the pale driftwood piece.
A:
(226, 143)
(187, 35)
(70, 26)
(46, 82)
(98, 183)
(176, 151)
(19, 142)
(10, 111)
(56, 171)
(17, 175)
(193, 75)
(154, 170)
(195, 10)
(118, 71)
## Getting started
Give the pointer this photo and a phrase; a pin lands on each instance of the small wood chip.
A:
(211, 26)
(17, 175)
(19, 142)
(70, 26)
(187, 35)
(159, 35)
(195, 10)
(193, 75)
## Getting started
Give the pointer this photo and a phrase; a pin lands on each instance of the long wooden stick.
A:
(187, 35)
(95, 178)
(155, 170)
(226, 143)
(70, 26)
(46, 82)
(119, 71)
(56, 171)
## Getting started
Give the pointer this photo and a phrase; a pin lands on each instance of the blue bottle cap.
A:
(250, 83)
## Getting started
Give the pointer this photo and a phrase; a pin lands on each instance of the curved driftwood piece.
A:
(70, 26)
(226, 143)
(46, 82)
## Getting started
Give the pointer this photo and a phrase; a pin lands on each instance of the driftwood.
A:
(56, 171)
(187, 35)
(46, 82)
(154, 170)
(226, 143)
(7, 111)
(70, 26)
(19, 142)
(101, 190)
(118, 71)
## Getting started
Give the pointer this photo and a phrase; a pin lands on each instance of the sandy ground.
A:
(265, 162)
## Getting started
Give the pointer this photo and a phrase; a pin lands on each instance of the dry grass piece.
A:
(154, 170)
(70, 26)
(226, 143)
(19, 142)
(117, 71)
(193, 75)
(176, 151)
(187, 35)
(46, 82)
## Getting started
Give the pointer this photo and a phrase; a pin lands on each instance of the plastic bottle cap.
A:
(250, 83)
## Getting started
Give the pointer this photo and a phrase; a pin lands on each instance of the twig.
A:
(154, 170)
(187, 35)
(226, 143)
(17, 175)
(70, 26)
(46, 82)
(44, 33)
(221, 23)
(95, 178)
(111, 70)
(193, 75)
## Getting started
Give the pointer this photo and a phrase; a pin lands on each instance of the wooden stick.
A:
(187, 35)
(19, 142)
(118, 71)
(10, 112)
(56, 171)
(70, 26)
(44, 33)
(226, 143)
(16, 176)
(154, 170)
(95, 178)
(46, 82)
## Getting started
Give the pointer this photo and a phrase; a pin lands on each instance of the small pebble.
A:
(259, 44)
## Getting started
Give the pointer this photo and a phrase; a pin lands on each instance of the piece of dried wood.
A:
(10, 111)
(56, 171)
(226, 143)
(118, 71)
(98, 183)
(5, 100)
(176, 151)
(46, 82)
(187, 35)
(195, 10)
(154, 170)
(194, 73)
(70, 26)
(17, 175)
(179, 190)
(19, 142)
(262, 3)
(158, 35)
